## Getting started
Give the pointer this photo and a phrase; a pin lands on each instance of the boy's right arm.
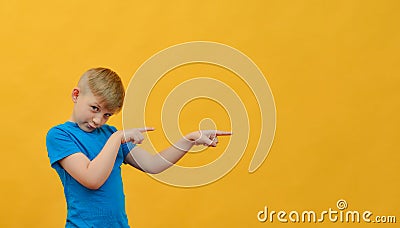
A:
(93, 174)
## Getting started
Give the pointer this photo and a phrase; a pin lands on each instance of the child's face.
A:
(89, 113)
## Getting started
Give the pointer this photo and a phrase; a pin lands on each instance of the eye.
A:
(108, 115)
(95, 109)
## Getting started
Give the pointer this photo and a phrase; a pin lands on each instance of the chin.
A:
(85, 128)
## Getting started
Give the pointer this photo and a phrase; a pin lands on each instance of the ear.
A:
(75, 94)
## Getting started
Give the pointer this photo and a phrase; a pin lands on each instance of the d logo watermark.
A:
(146, 77)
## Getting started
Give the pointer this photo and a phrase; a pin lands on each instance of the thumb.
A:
(209, 142)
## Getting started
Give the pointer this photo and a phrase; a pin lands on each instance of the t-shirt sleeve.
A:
(59, 145)
(127, 147)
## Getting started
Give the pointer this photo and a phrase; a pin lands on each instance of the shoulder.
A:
(61, 141)
(57, 129)
(109, 128)
(61, 129)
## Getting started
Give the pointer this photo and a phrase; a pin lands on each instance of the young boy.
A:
(87, 153)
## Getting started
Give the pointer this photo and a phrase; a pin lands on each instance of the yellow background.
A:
(333, 67)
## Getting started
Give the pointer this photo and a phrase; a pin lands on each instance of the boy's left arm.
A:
(143, 160)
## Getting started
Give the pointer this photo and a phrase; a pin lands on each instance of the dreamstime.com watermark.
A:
(143, 84)
(339, 215)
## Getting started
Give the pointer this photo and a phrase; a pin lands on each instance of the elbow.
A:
(150, 169)
(155, 165)
(156, 169)
(92, 185)
(153, 171)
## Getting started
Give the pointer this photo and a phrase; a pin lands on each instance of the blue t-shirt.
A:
(104, 207)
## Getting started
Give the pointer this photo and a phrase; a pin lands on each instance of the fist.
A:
(135, 135)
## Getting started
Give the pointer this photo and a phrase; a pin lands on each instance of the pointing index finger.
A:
(222, 133)
(144, 129)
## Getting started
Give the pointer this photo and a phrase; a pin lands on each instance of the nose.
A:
(97, 119)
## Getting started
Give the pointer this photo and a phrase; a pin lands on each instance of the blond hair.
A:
(106, 85)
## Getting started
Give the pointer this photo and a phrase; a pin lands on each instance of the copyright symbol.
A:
(341, 204)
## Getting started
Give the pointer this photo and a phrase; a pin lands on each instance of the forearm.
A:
(171, 155)
(142, 160)
(99, 169)
(161, 161)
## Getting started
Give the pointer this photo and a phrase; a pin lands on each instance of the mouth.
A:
(91, 127)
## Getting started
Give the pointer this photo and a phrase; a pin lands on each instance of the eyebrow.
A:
(95, 103)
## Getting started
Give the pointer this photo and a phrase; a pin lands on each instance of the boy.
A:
(87, 153)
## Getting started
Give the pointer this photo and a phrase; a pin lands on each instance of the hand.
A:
(135, 135)
(207, 137)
